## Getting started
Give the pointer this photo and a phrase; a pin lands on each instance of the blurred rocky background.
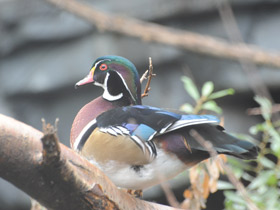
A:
(45, 50)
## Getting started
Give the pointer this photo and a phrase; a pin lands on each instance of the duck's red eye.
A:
(103, 67)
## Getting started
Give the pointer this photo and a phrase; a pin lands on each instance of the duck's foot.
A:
(135, 193)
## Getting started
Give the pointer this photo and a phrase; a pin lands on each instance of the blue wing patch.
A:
(144, 132)
(129, 126)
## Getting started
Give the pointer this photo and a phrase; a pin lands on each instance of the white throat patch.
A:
(106, 95)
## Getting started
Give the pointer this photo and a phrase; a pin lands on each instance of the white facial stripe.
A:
(96, 64)
(106, 93)
(126, 86)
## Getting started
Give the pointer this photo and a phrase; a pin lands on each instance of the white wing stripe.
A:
(118, 130)
(139, 142)
(184, 123)
(165, 128)
(123, 130)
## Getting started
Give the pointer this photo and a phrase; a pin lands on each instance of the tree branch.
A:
(144, 76)
(258, 111)
(56, 176)
(170, 36)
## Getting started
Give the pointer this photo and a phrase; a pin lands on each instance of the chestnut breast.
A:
(89, 112)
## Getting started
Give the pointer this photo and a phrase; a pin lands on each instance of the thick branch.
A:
(170, 36)
(55, 175)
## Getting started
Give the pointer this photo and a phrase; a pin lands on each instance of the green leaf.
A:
(260, 180)
(238, 172)
(271, 199)
(275, 146)
(273, 133)
(266, 162)
(187, 108)
(275, 138)
(212, 106)
(190, 87)
(265, 106)
(222, 93)
(233, 196)
(247, 177)
(207, 88)
(254, 130)
(229, 204)
(222, 185)
(272, 180)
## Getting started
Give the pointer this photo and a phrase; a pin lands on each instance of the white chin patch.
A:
(109, 97)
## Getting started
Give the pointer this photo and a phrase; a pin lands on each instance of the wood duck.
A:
(108, 72)
(139, 146)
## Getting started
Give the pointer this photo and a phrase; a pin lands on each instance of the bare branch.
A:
(148, 88)
(257, 111)
(238, 185)
(56, 176)
(171, 198)
(170, 36)
(144, 76)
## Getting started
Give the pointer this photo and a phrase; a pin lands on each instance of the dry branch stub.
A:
(51, 148)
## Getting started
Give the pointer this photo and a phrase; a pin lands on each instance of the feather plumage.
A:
(144, 123)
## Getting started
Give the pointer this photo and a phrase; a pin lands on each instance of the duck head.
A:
(118, 77)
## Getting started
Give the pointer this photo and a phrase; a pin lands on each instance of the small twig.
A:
(238, 185)
(147, 88)
(144, 76)
(169, 195)
(257, 111)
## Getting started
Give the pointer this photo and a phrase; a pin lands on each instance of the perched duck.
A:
(108, 72)
(139, 146)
